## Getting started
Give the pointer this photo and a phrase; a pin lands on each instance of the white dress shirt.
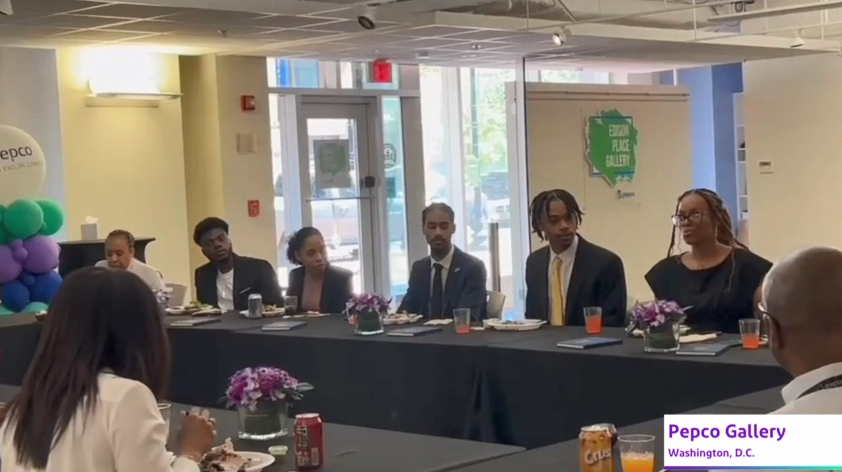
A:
(146, 272)
(445, 264)
(124, 433)
(568, 257)
(225, 290)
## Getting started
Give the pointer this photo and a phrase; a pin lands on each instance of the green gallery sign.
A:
(611, 146)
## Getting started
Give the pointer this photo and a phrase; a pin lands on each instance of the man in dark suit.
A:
(570, 273)
(448, 278)
(228, 279)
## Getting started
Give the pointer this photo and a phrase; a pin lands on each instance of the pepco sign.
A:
(13, 153)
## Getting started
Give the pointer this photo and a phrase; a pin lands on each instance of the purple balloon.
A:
(10, 268)
(18, 250)
(43, 254)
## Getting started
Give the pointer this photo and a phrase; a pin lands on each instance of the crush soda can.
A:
(255, 306)
(309, 442)
(595, 448)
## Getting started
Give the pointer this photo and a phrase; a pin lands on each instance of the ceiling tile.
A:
(151, 26)
(234, 31)
(286, 21)
(483, 35)
(344, 26)
(294, 35)
(26, 32)
(121, 10)
(73, 21)
(430, 43)
(52, 6)
(215, 17)
(474, 46)
(98, 35)
(434, 31)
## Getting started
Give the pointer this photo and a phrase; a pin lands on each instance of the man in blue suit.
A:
(448, 278)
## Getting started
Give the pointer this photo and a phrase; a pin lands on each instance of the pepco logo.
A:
(13, 153)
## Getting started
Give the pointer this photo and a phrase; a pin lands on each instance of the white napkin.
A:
(697, 338)
(441, 322)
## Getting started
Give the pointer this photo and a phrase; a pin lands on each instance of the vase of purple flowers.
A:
(262, 396)
(367, 311)
(660, 321)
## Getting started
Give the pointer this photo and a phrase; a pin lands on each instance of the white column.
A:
(454, 147)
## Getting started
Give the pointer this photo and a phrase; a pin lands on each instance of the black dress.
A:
(715, 306)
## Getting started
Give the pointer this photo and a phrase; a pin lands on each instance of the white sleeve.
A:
(138, 435)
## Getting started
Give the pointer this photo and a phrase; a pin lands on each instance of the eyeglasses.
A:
(694, 217)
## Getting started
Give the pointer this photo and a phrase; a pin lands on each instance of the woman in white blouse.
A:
(89, 399)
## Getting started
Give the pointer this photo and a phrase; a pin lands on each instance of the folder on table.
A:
(194, 322)
(414, 331)
(283, 325)
(589, 343)
(710, 350)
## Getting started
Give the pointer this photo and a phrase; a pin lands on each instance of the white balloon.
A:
(22, 165)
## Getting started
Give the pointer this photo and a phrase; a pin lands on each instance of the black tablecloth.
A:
(355, 449)
(565, 456)
(514, 388)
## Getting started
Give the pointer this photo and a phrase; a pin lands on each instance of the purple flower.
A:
(657, 313)
(368, 301)
(252, 384)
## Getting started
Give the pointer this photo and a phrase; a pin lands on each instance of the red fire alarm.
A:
(247, 103)
(254, 208)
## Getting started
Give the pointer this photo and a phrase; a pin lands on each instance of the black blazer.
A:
(598, 279)
(250, 276)
(337, 288)
(465, 286)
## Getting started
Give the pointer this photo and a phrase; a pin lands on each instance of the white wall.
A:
(125, 166)
(637, 230)
(29, 101)
(792, 119)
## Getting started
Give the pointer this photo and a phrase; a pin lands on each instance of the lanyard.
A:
(826, 384)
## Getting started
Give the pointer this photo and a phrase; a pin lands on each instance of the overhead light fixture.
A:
(560, 37)
(797, 40)
(778, 11)
(366, 18)
(6, 7)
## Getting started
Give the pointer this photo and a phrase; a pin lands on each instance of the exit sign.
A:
(381, 72)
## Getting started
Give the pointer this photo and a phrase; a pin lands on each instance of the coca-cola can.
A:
(309, 441)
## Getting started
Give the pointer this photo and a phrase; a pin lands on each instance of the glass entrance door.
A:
(339, 186)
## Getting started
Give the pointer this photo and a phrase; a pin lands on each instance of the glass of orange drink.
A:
(750, 333)
(637, 452)
(593, 319)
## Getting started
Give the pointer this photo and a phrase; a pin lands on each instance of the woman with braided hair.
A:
(718, 276)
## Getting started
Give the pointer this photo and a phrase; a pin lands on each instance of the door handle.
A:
(368, 182)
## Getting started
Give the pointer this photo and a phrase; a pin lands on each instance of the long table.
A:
(565, 456)
(511, 388)
(355, 449)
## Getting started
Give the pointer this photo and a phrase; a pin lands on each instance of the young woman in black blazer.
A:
(319, 286)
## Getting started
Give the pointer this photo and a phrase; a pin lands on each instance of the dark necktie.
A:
(437, 298)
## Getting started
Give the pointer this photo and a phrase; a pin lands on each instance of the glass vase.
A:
(663, 338)
(267, 421)
(368, 323)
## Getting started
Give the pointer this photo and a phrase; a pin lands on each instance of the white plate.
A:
(259, 461)
(278, 312)
(209, 311)
(401, 319)
(520, 325)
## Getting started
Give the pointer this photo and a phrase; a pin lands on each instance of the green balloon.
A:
(23, 218)
(53, 217)
(5, 311)
(35, 307)
(5, 237)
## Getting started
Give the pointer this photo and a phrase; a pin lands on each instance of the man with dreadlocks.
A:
(570, 273)
(718, 277)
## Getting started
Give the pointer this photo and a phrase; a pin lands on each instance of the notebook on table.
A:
(194, 322)
(589, 343)
(283, 325)
(710, 350)
(414, 331)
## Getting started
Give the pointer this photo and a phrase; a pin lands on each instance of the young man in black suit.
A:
(570, 273)
(228, 279)
(448, 278)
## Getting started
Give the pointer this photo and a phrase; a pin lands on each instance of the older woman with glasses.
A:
(718, 277)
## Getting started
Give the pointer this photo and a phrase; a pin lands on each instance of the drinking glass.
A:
(166, 410)
(593, 319)
(637, 452)
(462, 320)
(750, 333)
(290, 305)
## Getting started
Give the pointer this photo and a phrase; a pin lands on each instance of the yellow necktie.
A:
(557, 312)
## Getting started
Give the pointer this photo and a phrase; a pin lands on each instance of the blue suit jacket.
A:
(465, 287)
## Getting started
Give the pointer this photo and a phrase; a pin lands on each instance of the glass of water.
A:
(290, 305)
(166, 411)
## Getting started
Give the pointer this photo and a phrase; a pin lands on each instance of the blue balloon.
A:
(5, 311)
(35, 307)
(15, 295)
(45, 287)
